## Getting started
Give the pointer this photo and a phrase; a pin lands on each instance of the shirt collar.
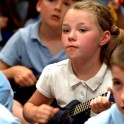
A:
(116, 115)
(96, 81)
(35, 31)
(73, 80)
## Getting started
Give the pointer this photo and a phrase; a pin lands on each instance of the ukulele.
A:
(76, 112)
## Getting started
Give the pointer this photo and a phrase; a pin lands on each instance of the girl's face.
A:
(52, 11)
(118, 86)
(81, 35)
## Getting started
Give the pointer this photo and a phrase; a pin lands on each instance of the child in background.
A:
(114, 115)
(87, 29)
(6, 102)
(6, 92)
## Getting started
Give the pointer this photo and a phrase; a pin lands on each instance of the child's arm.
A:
(37, 109)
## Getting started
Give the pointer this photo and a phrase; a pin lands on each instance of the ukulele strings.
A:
(81, 109)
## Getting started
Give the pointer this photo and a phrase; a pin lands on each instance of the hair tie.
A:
(114, 30)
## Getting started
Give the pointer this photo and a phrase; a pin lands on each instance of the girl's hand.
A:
(100, 104)
(45, 113)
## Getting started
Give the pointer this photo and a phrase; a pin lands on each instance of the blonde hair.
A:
(105, 22)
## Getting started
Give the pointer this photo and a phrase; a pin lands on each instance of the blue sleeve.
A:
(6, 117)
(9, 53)
(6, 92)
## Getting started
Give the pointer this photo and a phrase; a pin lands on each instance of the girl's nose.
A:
(72, 36)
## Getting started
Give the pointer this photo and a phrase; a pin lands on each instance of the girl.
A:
(86, 35)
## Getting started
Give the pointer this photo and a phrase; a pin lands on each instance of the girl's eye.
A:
(65, 30)
(82, 30)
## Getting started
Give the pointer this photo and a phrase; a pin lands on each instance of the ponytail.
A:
(117, 37)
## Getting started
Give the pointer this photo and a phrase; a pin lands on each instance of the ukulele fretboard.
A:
(83, 106)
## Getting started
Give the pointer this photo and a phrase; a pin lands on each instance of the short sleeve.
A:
(6, 92)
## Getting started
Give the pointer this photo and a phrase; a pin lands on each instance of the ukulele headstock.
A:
(110, 96)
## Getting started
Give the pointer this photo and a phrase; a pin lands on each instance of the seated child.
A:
(6, 102)
(87, 33)
(114, 115)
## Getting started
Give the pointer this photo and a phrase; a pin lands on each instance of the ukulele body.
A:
(65, 115)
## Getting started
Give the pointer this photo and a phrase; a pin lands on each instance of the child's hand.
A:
(45, 113)
(23, 76)
(100, 104)
(3, 22)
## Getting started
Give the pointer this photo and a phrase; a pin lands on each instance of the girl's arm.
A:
(38, 109)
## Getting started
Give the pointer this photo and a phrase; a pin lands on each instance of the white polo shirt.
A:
(58, 81)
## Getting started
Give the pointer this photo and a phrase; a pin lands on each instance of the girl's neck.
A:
(86, 70)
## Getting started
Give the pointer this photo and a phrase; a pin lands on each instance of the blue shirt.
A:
(26, 48)
(110, 116)
(6, 116)
(6, 92)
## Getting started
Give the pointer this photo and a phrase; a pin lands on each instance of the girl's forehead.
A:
(72, 10)
(73, 13)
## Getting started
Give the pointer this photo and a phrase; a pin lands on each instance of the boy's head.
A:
(117, 68)
(52, 11)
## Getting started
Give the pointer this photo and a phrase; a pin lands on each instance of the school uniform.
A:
(6, 92)
(26, 48)
(110, 116)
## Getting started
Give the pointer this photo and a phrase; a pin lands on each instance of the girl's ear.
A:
(105, 38)
(38, 5)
